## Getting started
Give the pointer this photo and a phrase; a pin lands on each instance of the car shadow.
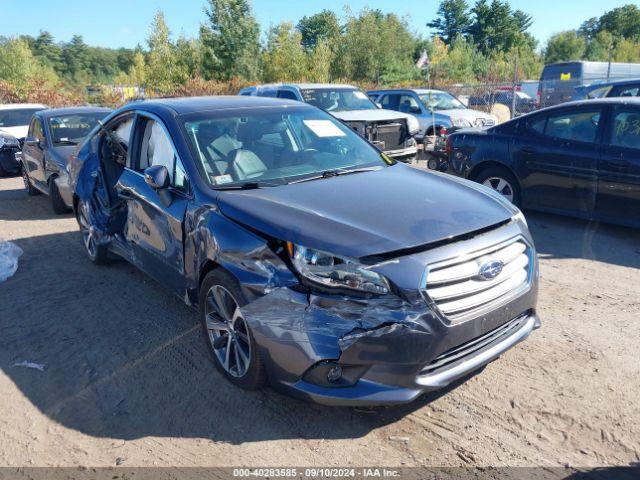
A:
(631, 472)
(18, 206)
(557, 236)
(122, 358)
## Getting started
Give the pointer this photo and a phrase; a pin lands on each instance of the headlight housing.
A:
(461, 122)
(413, 125)
(335, 272)
(519, 217)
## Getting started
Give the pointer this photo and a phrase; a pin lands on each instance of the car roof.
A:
(626, 81)
(306, 86)
(186, 105)
(21, 106)
(419, 91)
(53, 112)
(603, 101)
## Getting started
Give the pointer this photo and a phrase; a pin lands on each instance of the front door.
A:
(154, 228)
(559, 153)
(619, 167)
(33, 155)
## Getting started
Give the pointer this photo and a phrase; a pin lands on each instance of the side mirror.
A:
(32, 141)
(157, 177)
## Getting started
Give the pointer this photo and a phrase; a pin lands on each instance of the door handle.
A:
(528, 150)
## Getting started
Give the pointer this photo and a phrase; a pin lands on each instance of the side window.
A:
(408, 104)
(626, 91)
(288, 94)
(37, 130)
(580, 126)
(156, 149)
(536, 124)
(389, 101)
(625, 128)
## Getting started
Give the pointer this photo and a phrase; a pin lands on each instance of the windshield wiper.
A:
(247, 186)
(336, 173)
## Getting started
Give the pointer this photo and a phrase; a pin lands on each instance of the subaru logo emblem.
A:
(491, 269)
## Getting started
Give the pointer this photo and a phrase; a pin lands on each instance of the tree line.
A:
(485, 41)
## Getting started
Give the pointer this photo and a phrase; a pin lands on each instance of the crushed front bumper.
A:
(8, 161)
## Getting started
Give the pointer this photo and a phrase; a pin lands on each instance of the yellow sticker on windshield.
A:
(565, 76)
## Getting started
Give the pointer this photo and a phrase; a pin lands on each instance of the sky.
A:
(125, 23)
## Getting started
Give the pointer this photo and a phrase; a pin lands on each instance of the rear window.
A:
(569, 72)
(579, 126)
(17, 118)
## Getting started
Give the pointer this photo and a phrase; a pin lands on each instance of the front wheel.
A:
(57, 203)
(97, 253)
(502, 181)
(228, 334)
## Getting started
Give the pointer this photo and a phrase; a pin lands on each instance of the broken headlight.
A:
(334, 272)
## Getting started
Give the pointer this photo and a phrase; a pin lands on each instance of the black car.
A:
(580, 159)
(291, 235)
(53, 136)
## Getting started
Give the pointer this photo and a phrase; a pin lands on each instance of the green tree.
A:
(496, 26)
(163, 72)
(453, 20)
(284, 58)
(565, 46)
(319, 63)
(622, 22)
(230, 40)
(47, 51)
(76, 57)
(321, 27)
(599, 47)
(20, 69)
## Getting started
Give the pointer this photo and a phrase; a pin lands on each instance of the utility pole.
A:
(515, 80)
(610, 57)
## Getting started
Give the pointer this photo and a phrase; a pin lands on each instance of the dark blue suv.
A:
(316, 262)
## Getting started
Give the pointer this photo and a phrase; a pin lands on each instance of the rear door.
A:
(154, 228)
(619, 167)
(558, 155)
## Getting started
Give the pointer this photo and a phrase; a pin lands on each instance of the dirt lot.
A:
(128, 380)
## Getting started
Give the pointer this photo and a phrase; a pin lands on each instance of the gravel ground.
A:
(127, 378)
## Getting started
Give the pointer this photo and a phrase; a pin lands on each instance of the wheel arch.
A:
(481, 167)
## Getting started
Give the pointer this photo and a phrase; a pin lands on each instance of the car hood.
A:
(369, 115)
(18, 132)
(466, 113)
(368, 213)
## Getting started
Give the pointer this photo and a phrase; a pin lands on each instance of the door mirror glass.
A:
(157, 177)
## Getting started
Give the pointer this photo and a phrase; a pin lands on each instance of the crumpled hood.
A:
(369, 115)
(18, 132)
(366, 213)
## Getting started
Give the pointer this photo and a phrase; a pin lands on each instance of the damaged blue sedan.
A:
(316, 263)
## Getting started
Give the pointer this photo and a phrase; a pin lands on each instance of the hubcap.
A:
(86, 230)
(228, 332)
(501, 186)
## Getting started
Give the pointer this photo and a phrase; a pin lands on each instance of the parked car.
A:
(293, 237)
(392, 132)
(436, 110)
(580, 159)
(524, 103)
(14, 122)
(558, 81)
(53, 136)
(619, 88)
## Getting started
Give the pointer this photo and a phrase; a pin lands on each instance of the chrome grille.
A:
(458, 290)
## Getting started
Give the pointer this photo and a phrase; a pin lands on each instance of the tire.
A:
(59, 207)
(98, 254)
(502, 181)
(227, 334)
(28, 186)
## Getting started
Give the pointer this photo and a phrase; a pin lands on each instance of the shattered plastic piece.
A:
(9, 254)
(27, 364)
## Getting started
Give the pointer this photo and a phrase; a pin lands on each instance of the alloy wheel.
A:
(87, 231)
(25, 179)
(227, 331)
(500, 185)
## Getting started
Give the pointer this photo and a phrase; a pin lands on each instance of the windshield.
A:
(71, 129)
(274, 146)
(440, 101)
(338, 99)
(17, 118)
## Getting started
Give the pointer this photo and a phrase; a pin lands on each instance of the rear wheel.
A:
(57, 202)
(31, 190)
(502, 181)
(98, 254)
(227, 332)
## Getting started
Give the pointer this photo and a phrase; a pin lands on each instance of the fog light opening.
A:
(334, 374)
